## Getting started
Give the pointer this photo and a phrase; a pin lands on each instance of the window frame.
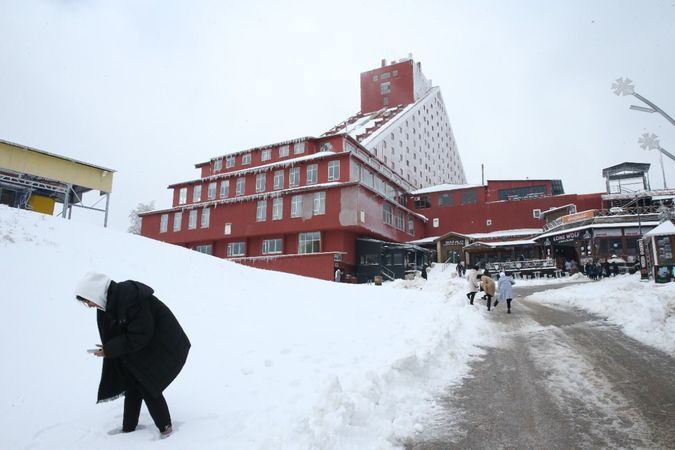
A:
(309, 239)
(177, 224)
(261, 211)
(240, 247)
(240, 181)
(164, 223)
(296, 206)
(333, 170)
(197, 193)
(312, 174)
(294, 177)
(277, 243)
(277, 208)
(319, 203)
(192, 219)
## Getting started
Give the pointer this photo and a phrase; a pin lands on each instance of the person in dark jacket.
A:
(142, 345)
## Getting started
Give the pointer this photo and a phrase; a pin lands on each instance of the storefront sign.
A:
(643, 260)
(583, 215)
(607, 232)
(566, 237)
(453, 243)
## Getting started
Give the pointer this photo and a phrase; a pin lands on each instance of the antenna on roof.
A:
(482, 174)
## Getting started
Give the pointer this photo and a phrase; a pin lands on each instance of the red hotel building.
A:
(302, 206)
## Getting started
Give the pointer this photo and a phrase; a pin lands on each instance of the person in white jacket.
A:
(505, 290)
(472, 283)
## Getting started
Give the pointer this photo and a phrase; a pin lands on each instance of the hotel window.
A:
(387, 217)
(333, 170)
(236, 249)
(309, 242)
(283, 151)
(241, 186)
(294, 177)
(296, 206)
(163, 223)
(182, 196)
(261, 211)
(197, 194)
(206, 216)
(177, 221)
(385, 88)
(271, 246)
(212, 191)
(394, 73)
(375, 77)
(279, 179)
(225, 189)
(385, 76)
(277, 208)
(260, 182)
(245, 159)
(399, 219)
(228, 228)
(266, 155)
(312, 172)
(422, 202)
(229, 162)
(319, 203)
(217, 165)
(192, 219)
(207, 249)
(298, 148)
(411, 226)
(445, 199)
(469, 198)
(354, 171)
(367, 177)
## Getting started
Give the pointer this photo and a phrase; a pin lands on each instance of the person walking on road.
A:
(505, 290)
(472, 283)
(489, 287)
(461, 269)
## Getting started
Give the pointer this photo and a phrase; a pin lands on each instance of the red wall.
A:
(402, 91)
(317, 265)
(505, 215)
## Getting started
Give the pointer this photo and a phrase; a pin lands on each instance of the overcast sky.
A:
(149, 88)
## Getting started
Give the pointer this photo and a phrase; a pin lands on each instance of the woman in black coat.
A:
(143, 346)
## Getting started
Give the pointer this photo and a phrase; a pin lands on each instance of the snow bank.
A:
(278, 361)
(644, 310)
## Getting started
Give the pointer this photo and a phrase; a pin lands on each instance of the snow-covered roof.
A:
(504, 233)
(665, 228)
(427, 240)
(238, 152)
(444, 187)
(502, 243)
(650, 223)
(366, 127)
(261, 168)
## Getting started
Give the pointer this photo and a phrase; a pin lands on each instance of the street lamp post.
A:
(624, 86)
(650, 141)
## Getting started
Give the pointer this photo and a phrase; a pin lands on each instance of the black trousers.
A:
(471, 295)
(157, 407)
(489, 301)
(508, 304)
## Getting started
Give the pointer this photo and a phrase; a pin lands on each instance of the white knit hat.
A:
(502, 274)
(94, 287)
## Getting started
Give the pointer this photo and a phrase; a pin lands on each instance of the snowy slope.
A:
(278, 361)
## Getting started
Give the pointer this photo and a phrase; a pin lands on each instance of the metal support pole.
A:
(107, 203)
(656, 108)
(66, 200)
